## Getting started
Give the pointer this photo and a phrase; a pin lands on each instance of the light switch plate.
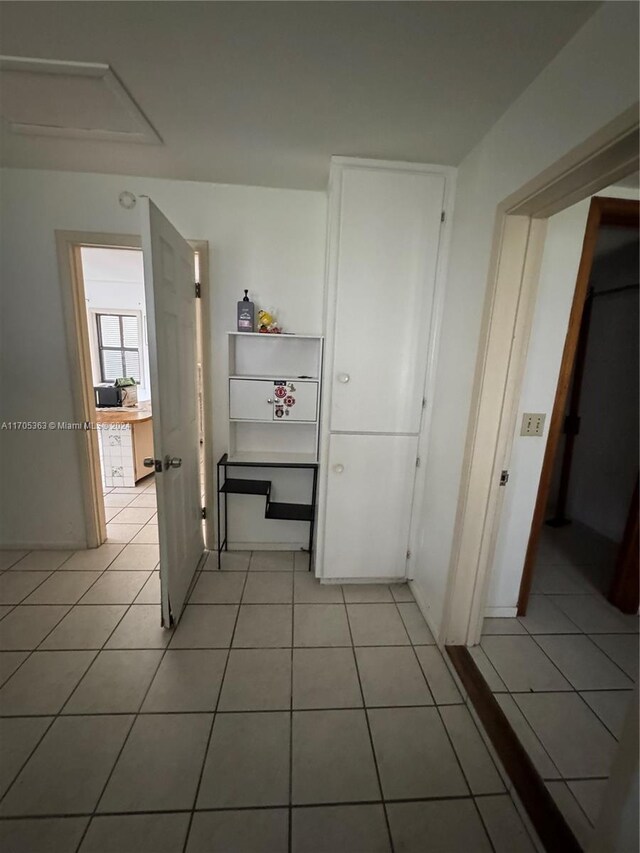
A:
(533, 423)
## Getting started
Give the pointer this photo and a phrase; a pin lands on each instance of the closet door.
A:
(370, 488)
(389, 232)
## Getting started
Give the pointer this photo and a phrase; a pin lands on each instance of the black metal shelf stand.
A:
(273, 509)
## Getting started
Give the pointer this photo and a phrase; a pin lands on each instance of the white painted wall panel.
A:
(387, 256)
(368, 505)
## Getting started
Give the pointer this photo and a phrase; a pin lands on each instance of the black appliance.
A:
(107, 396)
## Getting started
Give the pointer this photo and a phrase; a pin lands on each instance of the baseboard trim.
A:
(350, 581)
(44, 546)
(545, 816)
(265, 546)
(501, 612)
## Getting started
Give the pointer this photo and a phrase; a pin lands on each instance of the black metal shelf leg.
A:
(312, 523)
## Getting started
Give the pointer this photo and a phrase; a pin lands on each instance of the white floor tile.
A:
(522, 664)
(593, 615)
(137, 557)
(582, 663)
(10, 558)
(122, 532)
(543, 617)
(42, 561)
(578, 743)
(134, 515)
(611, 707)
(451, 825)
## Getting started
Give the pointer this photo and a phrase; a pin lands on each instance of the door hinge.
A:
(198, 290)
(418, 462)
(408, 554)
(442, 216)
(424, 402)
(203, 512)
(504, 478)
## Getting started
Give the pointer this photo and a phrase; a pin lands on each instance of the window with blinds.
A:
(119, 346)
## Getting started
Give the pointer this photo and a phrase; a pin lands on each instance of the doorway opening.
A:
(581, 536)
(560, 677)
(113, 283)
(158, 341)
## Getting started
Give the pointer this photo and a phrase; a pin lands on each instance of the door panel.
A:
(297, 401)
(368, 505)
(251, 399)
(389, 238)
(171, 318)
(266, 400)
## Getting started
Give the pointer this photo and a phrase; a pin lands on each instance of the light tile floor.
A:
(131, 513)
(564, 673)
(279, 715)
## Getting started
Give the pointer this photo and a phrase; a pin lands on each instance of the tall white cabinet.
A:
(385, 243)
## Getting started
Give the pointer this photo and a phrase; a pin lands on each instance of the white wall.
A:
(114, 279)
(590, 82)
(269, 241)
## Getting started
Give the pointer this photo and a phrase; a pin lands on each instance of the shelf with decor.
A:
(274, 391)
(274, 388)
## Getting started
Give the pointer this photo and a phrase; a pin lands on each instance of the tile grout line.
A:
(223, 809)
(54, 717)
(213, 720)
(575, 689)
(228, 654)
(368, 723)
(33, 651)
(293, 617)
(579, 633)
(448, 734)
(135, 716)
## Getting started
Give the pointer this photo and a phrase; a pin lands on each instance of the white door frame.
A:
(68, 245)
(601, 160)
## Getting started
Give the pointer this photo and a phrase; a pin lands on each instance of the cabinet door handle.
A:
(344, 378)
(338, 469)
(269, 400)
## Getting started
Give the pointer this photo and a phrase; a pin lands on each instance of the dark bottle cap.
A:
(246, 296)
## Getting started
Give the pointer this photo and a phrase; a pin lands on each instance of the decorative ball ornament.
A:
(127, 200)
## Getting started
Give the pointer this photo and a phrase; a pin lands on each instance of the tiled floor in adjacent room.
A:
(564, 673)
(280, 715)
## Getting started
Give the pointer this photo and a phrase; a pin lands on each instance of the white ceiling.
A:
(265, 92)
(46, 97)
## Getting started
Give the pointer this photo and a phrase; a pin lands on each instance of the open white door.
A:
(169, 285)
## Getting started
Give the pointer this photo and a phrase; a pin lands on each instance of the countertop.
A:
(124, 414)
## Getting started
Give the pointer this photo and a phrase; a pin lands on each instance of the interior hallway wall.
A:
(269, 241)
(589, 83)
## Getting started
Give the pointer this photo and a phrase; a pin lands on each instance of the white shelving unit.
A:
(274, 390)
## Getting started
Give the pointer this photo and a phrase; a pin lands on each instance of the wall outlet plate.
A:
(533, 423)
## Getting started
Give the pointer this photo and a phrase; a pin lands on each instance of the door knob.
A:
(149, 462)
(269, 400)
(172, 462)
(344, 378)
(338, 469)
